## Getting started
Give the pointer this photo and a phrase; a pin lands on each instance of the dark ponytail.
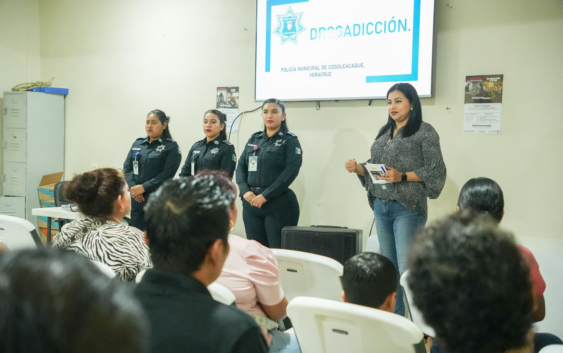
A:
(280, 104)
(163, 118)
(222, 120)
(415, 117)
(482, 195)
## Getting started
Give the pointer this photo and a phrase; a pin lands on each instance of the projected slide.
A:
(342, 49)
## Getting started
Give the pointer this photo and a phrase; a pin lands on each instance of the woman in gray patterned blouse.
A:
(410, 150)
(101, 195)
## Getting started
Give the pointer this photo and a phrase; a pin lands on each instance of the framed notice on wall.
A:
(483, 104)
(227, 102)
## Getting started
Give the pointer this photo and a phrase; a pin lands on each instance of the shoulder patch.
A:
(292, 134)
(227, 142)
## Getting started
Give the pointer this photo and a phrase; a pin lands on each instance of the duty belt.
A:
(257, 191)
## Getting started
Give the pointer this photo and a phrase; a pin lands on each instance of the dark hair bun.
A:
(95, 192)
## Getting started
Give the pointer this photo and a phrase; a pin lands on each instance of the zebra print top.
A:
(122, 248)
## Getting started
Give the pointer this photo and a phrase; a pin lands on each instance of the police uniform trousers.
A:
(138, 212)
(265, 224)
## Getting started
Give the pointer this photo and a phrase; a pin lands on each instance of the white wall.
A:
(19, 46)
(121, 59)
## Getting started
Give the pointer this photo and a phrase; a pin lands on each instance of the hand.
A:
(137, 190)
(249, 197)
(392, 175)
(351, 166)
(139, 198)
(259, 201)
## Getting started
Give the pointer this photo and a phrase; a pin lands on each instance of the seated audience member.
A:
(471, 285)
(187, 224)
(371, 279)
(251, 274)
(484, 195)
(102, 196)
(57, 302)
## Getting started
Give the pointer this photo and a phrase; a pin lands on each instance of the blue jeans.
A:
(283, 342)
(396, 228)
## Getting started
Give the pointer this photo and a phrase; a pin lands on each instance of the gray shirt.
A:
(419, 153)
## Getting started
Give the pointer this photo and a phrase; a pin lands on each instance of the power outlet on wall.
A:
(93, 166)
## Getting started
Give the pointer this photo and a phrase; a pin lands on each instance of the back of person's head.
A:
(222, 179)
(482, 195)
(56, 301)
(471, 284)
(369, 279)
(184, 218)
(95, 192)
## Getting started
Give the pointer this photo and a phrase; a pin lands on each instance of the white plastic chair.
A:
(373, 244)
(106, 270)
(221, 294)
(554, 348)
(415, 314)
(140, 276)
(326, 326)
(311, 275)
(19, 233)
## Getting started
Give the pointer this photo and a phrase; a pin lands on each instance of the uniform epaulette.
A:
(227, 142)
(257, 133)
(169, 139)
(141, 138)
(292, 134)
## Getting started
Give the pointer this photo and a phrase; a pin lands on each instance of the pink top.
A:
(251, 274)
(537, 279)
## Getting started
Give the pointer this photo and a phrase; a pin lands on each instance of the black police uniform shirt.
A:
(158, 162)
(215, 154)
(279, 160)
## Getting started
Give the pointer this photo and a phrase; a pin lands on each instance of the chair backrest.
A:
(373, 244)
(59, 197)
(19, 233)
(415, 314)
(311, 275)
(140, 276)
(106, 270)
(221, 294)
(326, 326)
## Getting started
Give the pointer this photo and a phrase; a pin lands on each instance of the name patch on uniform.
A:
(298, 150)
(135, 149)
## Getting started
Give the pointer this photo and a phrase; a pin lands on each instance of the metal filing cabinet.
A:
(33, 145)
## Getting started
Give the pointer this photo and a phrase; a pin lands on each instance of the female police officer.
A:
(151, 161)
(214, 151)
(268, 165)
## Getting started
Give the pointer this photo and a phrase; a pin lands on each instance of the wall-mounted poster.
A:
(483, 104)
(227, 103)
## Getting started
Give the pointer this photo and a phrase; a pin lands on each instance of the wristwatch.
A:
(404, 176)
